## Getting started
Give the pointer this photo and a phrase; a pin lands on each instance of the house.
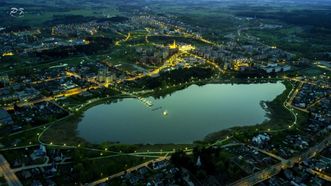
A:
(5, 118)
(160, 165)
(261, 138)
(38, 153)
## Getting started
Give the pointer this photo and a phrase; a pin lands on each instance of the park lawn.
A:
(92, 170)
(22, 139)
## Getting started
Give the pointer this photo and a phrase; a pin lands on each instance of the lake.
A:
(182, 117)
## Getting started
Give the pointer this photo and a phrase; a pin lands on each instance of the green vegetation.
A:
(3, 181)
(29, 137)
(90, 170)
(39, 14)
(214, 162)
(123, 54)
(63, 132)
(174, 77)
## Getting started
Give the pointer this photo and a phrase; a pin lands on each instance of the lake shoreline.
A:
(208, 138)
(196, 111)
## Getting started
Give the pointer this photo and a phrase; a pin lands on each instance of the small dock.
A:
(147, 102)
(155, 109)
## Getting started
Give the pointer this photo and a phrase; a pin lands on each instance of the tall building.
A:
(102, 75)
(105, 77)
(173, 45)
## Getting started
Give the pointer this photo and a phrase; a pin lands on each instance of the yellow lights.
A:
(93, 32)
(182, 48)
(7, 54)
(128, 36)
(186, 48)
(173, 45)
(86, 42)
(165, 113)
(240, 63)
(273, 47)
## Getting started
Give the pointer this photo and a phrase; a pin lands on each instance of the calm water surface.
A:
(192, 114)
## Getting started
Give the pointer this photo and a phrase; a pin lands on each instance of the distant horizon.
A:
(179, 1)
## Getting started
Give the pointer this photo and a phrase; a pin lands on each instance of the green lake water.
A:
(192, 113)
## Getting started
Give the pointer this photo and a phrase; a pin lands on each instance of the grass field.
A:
(36, 19)
(36, 13)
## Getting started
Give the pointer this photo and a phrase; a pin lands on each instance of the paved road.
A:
(122, 173)
(275, 169)
(268, 153)
(32, 166)
(8, 173)
(320, 175)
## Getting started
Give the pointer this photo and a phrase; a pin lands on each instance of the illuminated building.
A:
(7, 54)
(240, 64)
(173, 45)
(86, 42)
(102, 75)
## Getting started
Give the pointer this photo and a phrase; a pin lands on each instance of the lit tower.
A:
(173, 45)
